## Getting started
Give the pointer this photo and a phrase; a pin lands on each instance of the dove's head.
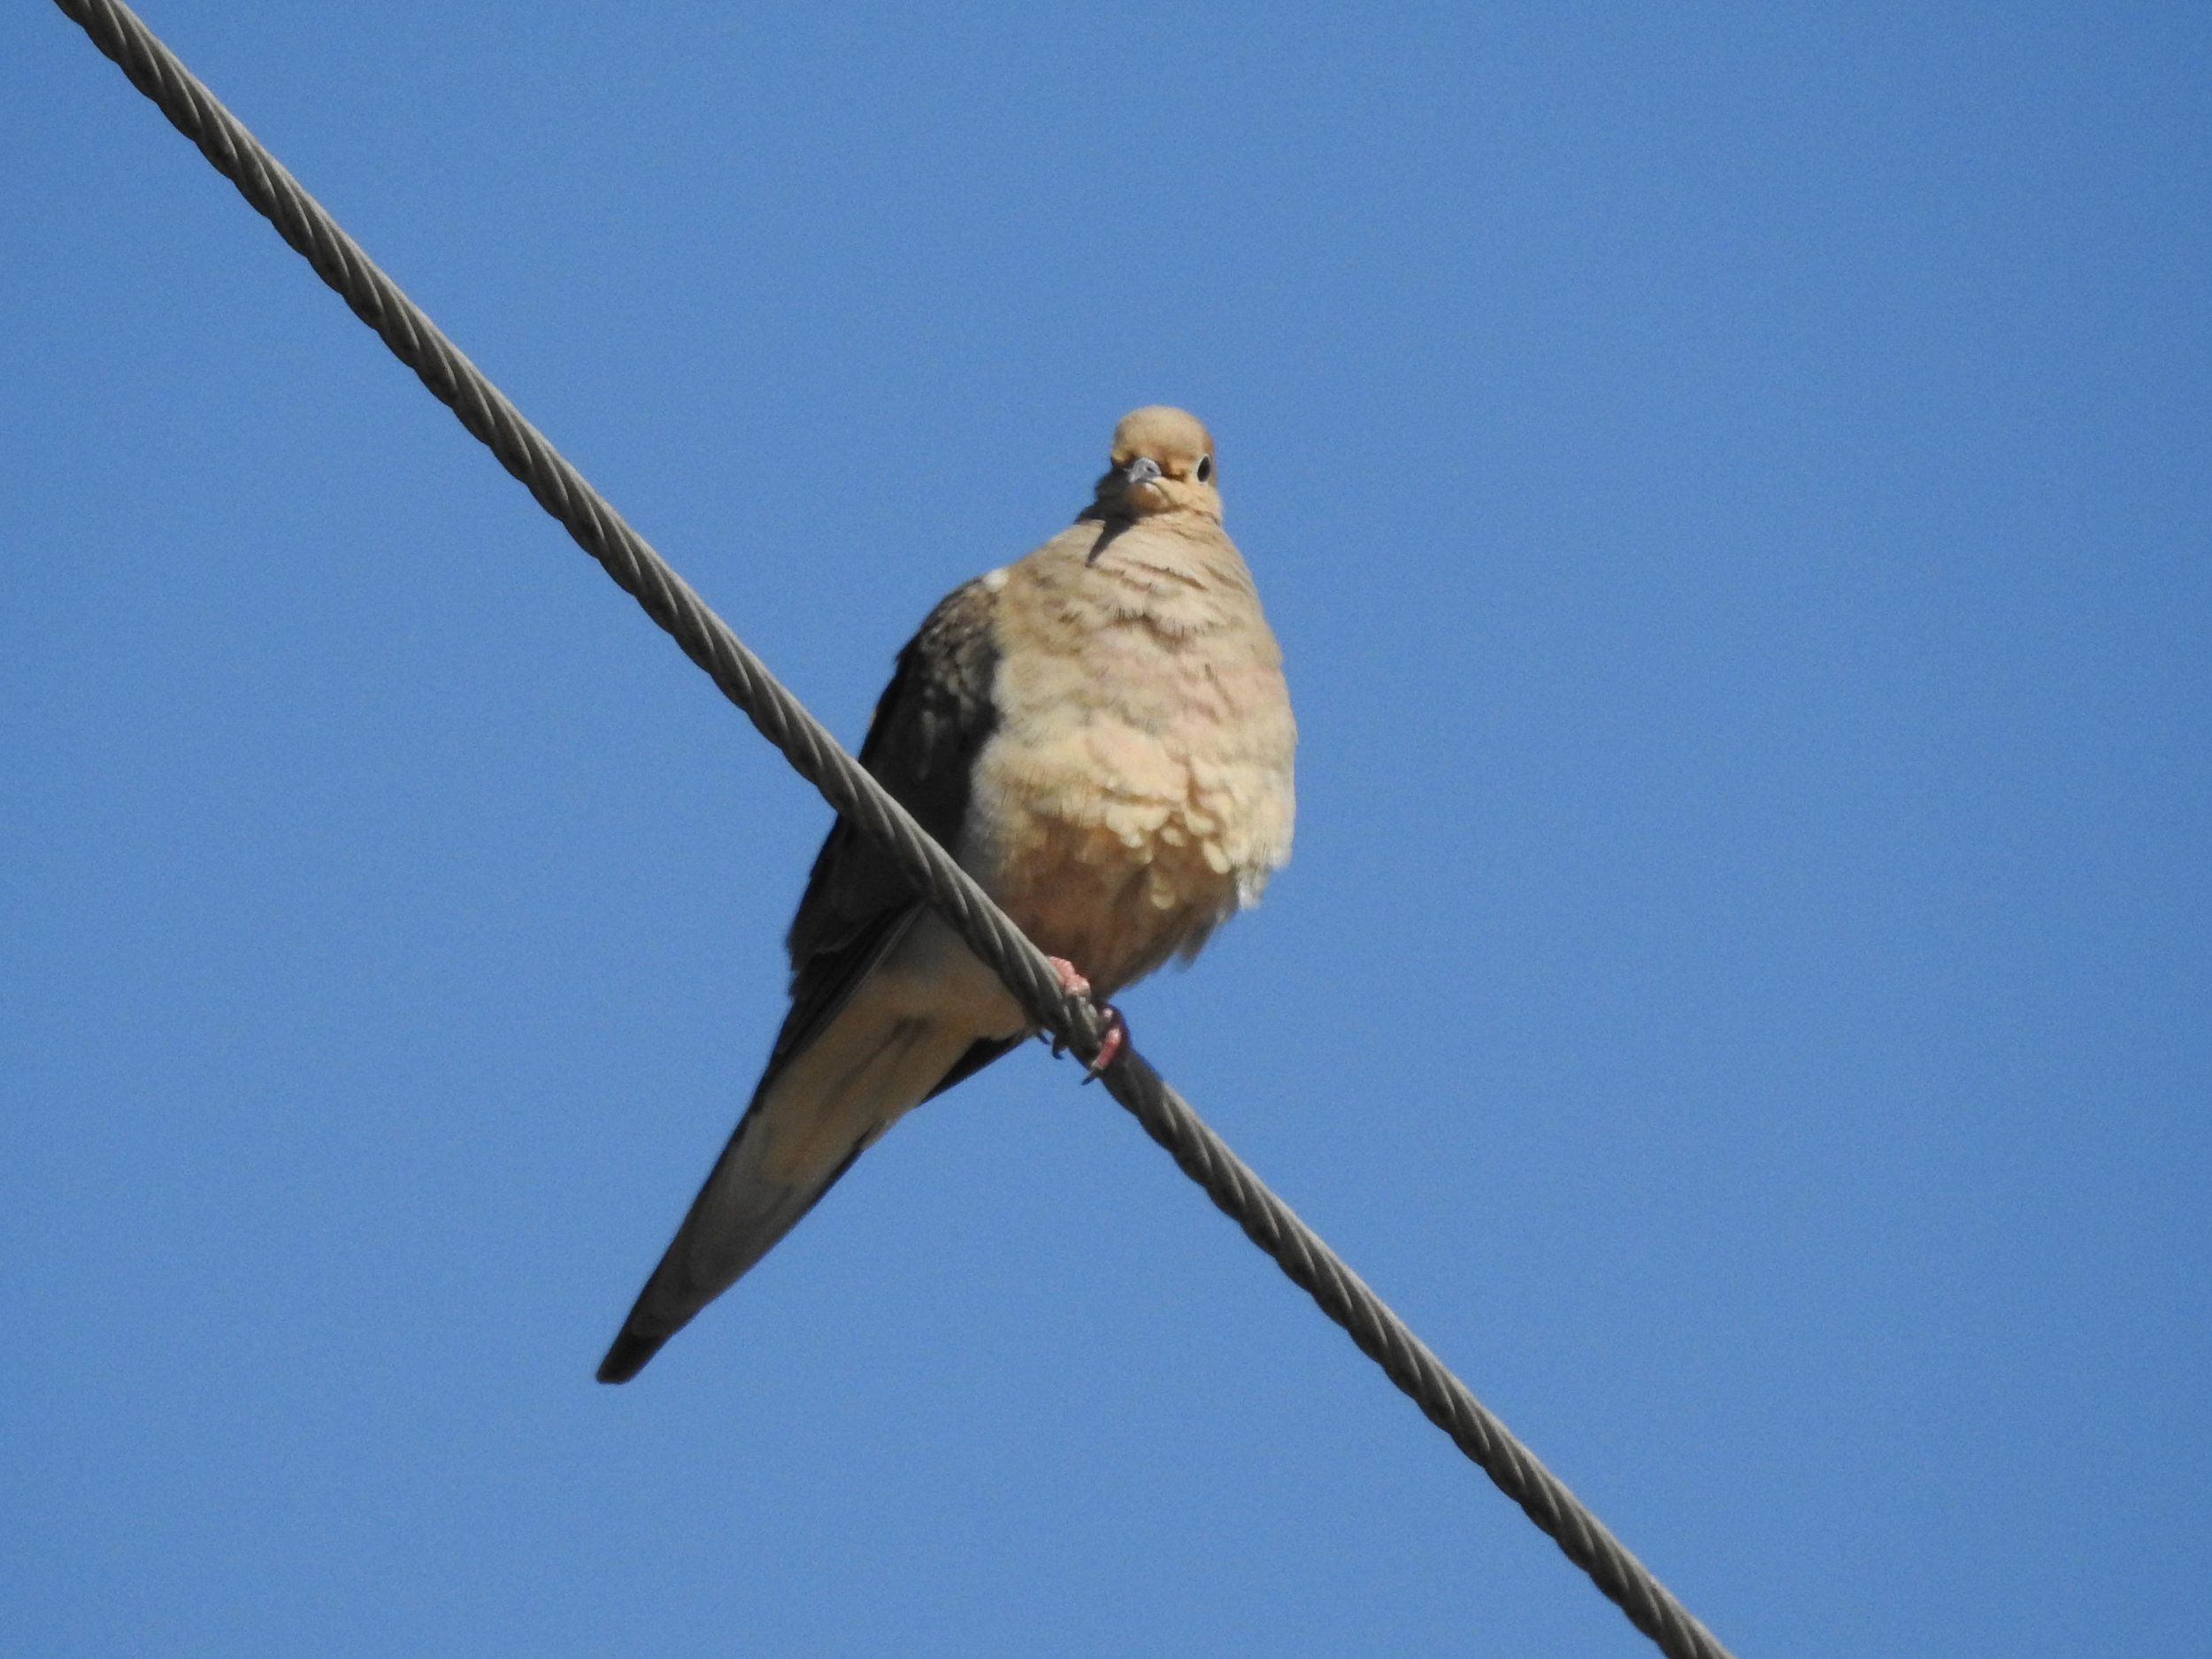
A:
(1163, 462)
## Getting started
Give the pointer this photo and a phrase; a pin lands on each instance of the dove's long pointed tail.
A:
(907, 1025)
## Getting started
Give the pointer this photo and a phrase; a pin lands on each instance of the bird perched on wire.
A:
(1100, 732)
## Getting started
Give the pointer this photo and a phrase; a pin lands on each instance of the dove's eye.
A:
(1205, 467)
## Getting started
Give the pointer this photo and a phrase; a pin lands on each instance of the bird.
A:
(1099, 731)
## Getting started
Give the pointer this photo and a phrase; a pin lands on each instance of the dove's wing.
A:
(886, 1007)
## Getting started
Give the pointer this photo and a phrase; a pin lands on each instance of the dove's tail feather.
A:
(736, 1219)
(816, 1111)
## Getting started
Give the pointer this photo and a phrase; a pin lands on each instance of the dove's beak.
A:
(1131, 485)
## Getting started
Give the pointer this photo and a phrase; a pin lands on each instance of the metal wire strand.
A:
(817, 757)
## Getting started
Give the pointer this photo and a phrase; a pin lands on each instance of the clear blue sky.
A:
(1732, 485)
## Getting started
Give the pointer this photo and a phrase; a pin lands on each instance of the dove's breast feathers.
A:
(1135, 790)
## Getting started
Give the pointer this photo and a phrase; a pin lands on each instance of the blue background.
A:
(1732, 486)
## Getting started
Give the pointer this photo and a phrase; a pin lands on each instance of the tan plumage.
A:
(1100, 733)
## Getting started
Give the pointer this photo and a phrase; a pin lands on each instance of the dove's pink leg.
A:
(1071, 981)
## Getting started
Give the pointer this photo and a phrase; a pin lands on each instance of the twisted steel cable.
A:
(818, 759)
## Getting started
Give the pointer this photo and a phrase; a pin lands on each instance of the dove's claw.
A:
(1072, 982)
(1110, 1045)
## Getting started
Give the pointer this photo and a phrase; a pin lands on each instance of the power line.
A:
(817, 757)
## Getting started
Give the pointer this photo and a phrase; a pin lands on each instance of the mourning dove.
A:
(1100, 732)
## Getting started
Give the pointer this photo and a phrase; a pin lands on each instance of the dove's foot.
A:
(1110, 1045)
(1071, 981)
